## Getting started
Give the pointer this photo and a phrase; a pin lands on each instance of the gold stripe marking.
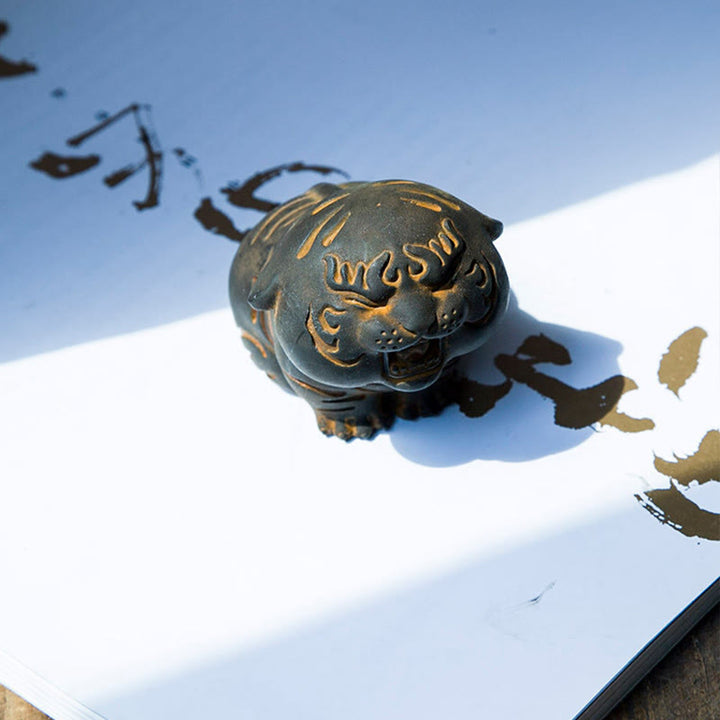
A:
(328, 203)
(310, 240)
(325, 324)
(255, 342)
(307, 386)
(285, 219)
(279, 214)
(431, 196)
(327, 240)
(326, 349)
(420, 203)
(266, 330)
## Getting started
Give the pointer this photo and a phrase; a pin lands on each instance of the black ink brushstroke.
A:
(701, 467)
(574, 408)
(541, 349)
(477, 399)
(244, 195)
(64, 166)
(154, 160)
(680, 361)
(80, 138)
(151, 147)
(216, 221)
(13, 68)
(672, 508)
(119, 176)
(623, 422)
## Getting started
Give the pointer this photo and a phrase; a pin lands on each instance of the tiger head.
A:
(379, 285)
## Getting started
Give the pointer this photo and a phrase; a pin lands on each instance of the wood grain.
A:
(14, 708)
(684, 686)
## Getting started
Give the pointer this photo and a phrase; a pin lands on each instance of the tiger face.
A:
(375, 285)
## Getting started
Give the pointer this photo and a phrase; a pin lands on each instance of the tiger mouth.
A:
(421, 359)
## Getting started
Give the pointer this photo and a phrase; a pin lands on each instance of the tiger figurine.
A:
(360, 297)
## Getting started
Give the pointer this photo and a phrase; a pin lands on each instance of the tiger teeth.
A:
(422, 358)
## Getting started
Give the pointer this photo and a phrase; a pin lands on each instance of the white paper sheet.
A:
(177, 539)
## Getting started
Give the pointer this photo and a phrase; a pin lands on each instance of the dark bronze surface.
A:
(359, 297)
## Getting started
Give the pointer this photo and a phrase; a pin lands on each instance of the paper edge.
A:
(651, 654)
(40, 693)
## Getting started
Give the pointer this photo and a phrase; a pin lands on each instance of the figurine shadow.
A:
(522, 425)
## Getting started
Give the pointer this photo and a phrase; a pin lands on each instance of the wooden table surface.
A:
(684, 686)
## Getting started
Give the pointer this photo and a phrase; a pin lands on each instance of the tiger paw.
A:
(348, 427)
(410, 406)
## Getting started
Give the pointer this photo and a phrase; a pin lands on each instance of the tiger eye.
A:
(359, 297)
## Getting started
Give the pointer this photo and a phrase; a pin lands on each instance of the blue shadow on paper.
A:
(522, 425)
(519, 108)
(561, 615)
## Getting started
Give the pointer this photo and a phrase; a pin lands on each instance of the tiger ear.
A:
(494, 228)
(264, 290)
(263, 299)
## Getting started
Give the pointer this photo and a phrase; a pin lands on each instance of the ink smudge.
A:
(185, 159)
(681, 359)
(189, 162)
(535, 600)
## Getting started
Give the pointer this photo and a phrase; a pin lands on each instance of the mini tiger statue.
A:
(360, 297)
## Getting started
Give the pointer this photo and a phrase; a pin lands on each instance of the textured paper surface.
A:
(177, 538)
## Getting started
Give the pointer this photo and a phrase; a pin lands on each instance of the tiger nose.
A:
(445, 323)
(413, 312)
